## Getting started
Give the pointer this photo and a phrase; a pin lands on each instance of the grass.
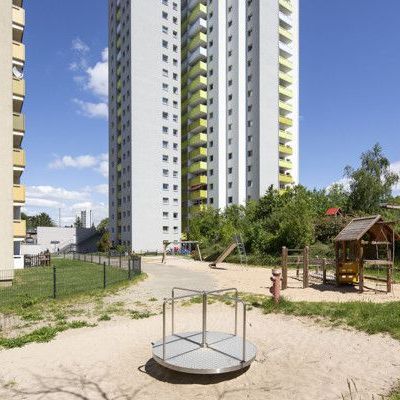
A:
(41, 335)
(72, 277)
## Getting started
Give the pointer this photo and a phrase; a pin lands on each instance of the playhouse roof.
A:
(333, 211)
(358, 227)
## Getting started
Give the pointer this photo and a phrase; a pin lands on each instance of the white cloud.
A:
(92, 110)
(50, 199)
(97, 163)
(93, 79)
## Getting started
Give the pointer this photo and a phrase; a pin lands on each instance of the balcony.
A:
(18, 52)
(199, 40)
(19, 194)
(285, 64)
(286, 150)
(198, 126)
(198, 69)
(198, 112)
(198, 195)
(200, 11)
(285, 121)
(285, 136)
(284, 35)
(285, 164)
(285, 93)
(197, 208)
(199, 153)
(285, 107)
(285, 79)
(18, 88)
(285, 6)
(199, 83)
(198, 180)
(199, 54)
(285, 20)
(18, 122)
(199, 26)
(199, 97)
(198, 140)
(283, 178)
(19, 228)
(19, 159)
(285, 50)
(18, 23)
(197, 167)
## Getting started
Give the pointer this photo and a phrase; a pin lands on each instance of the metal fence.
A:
(42, 282)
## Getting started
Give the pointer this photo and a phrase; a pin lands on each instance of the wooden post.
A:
(337, 263)
(389, 272)
(361, 271)
(284, 267)
(199, 252)
(324, 271)
(305, 266)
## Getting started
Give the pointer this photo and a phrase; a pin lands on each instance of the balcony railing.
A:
(18, 51)
(198, 180)
(285, 164)
(198, 112)
(18, 16)
(199, 11)
(199, 40)
(19, 159)
(285, 149)
(197, 167)
(285, 121)
(198, 69)
(285, 178)
(198, 126)
(18, 87)
(19, 228)
(19, 193)
(198, 195)
(200, 152)
(198, 140)
(18, 122)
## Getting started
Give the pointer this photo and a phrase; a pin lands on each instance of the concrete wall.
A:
(6, 143)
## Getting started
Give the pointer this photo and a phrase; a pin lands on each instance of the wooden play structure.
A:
(236, 243)
(365, 251)
(189, 245)
(366, 243)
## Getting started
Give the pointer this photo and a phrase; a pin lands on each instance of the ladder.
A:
(241, 250)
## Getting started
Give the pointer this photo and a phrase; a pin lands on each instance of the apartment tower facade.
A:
(12, 129)
(240, 74)
(144, 122)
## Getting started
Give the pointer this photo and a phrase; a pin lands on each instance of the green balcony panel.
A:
(284, 92)
(285, 149)
(198, 195)
(200, 152)
(285, 77)
(285, 178)
(285, 33)
(199, 83)
(198, 140)
(200, 68)
(285, 164)
(285, 62)
(198, 180)
(285, 121)
(198, 126)
(199, 11)
(198, 112)
(285, 135)
(200, 39)
(285, 106)
(285, 5)
(198, 167)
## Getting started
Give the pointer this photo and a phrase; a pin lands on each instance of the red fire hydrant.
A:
(275, 289)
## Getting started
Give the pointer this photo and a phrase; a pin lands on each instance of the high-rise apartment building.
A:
(239, 100)
(12, 129)
(203, 109)
(144, 122)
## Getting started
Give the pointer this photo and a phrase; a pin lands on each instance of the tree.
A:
(372, 183)
(103, 225)
(33, 221)
(104, 244)
(78, 222)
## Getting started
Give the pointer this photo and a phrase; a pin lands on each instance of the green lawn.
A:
(72, 276)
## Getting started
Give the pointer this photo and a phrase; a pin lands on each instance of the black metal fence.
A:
(29, 285)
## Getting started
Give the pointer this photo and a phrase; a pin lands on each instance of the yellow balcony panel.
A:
(19, 122)
(119, 98)
(19, 193)
(198, 112)
(18, 51)
(119, 15)
(285, 5)
(198, 167)
(285, 93)
(198, 195)
(199, 83)
(19, 228)
(119, 167)
(285, 63)
(18, 23)
(285, 35)
(198, 180)
(285, 149)
(119, 112)
(200, 68)
(119, 43)
(285, 135)
(198, 140)
(285, 178)
(285, 121)
(197, 208)
(119, 84)
(198, 97)
(198, 126)
(285, 106)
(199, 11)
(19, 159)
(285, 77)
(200, 152)
(119, 139)
(285, 164)
(200, 39)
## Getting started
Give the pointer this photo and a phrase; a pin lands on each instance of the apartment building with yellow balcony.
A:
(12, 131)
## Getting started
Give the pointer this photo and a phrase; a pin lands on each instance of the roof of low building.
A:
(333, 211)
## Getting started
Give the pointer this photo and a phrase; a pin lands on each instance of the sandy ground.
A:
(257, 280)
(296, 360)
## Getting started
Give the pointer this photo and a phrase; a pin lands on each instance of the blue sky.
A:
(350, 60)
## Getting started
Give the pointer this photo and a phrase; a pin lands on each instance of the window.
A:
(165, 186)
(249, 183)
(175, 187)
(230, 185)
(175, 215)
(165, 87)
(165, 101)
(165, 144)
(165, 129)
(165, 44)
(165, 72)
(165, 158)
(165, 15)
(165, 229)
(165, 214)
(165, 200)
(230, 200)
(165, 58)
(230, 156)
(165, 29)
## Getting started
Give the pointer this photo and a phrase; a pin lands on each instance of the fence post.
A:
(120, 260)
(54, 282)
(324, 271)
(99, 259)
(109, 258)
(91, 257)
(284, 267)
(305, 266)
(104, 276)
(129, 268)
